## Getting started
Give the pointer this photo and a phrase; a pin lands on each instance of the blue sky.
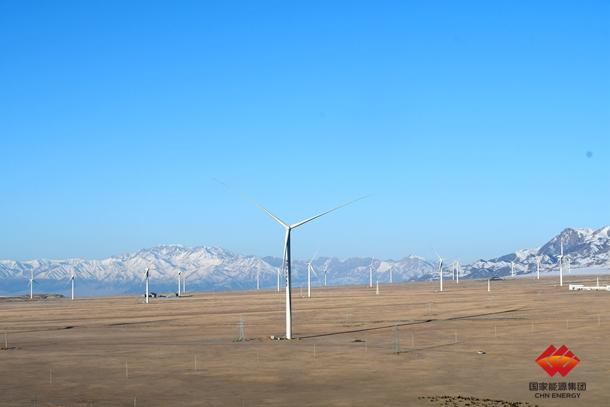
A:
(469, 122)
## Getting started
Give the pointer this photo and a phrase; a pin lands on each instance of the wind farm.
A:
(412, 210)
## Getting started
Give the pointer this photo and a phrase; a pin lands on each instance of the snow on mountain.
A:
(205, 268)
(583, 248)
(212, 268)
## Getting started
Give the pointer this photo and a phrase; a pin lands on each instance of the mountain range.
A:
(212, 268)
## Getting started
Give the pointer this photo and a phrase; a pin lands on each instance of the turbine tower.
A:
(310, 270)
(179, 283)
(288, 228)
(258, 279)
(512, 268)
(371, 274)
(72, 284)
(561, 266)
(31, 284)
(457, 272)
(538, 261)
(325, 272)
(440, 272)
(146, 277)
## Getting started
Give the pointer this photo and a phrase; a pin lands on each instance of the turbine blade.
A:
(252, 201)
(313, 257)
(314, 272)
(296, 225)
(284, 268)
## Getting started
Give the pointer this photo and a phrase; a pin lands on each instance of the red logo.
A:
(554, 360)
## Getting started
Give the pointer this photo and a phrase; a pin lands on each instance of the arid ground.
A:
(461, 347)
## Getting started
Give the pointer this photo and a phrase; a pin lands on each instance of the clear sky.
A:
(479, 127)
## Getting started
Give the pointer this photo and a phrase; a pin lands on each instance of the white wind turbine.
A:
(512, 268)
(371, 273)
(31, 284)
(146, 278)
(325, 271)
(72, 285)
(440, 271)
(184, 281)
(457, 272)
(288, 228)
(561, 266)
(310, 270)
(179, 283)
(538, 261)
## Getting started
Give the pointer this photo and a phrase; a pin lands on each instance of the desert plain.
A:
(411, 345)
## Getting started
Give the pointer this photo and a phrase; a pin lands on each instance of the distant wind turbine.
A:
(31, 283)
(72, 284)
(371, 273)
(561, 266)
(310, 270)
(538, 261)
(440, 271)
(146, 278)
(184, 281)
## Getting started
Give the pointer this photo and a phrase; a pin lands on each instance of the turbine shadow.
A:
(426, 321)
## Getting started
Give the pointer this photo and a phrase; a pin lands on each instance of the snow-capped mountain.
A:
(204, 268)
(583, 248)
(211, 268)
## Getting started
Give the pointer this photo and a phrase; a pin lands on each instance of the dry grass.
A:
(181, 352)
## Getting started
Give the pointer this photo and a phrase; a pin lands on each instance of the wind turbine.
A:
(179, 283)
(512, 268)
(391, 274)
(258, 279)
(310, 269)
(146, 278)
(288, 228)
(371, 274)
(325, 271)
(561, 266)
(440, 272)
(72, 284)
(538, 261)
(457, 272)
(31, 283)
